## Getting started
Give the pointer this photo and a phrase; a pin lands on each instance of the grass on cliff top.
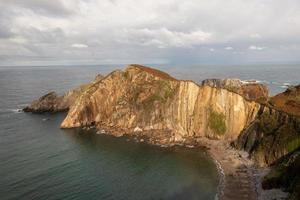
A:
(216, 122)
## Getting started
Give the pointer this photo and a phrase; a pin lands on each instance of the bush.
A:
(216, 122)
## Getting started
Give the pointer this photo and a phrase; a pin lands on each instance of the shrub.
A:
(216, 122)
(293, 144)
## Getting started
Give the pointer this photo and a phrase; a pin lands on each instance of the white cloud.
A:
(79, 46)
(228, 48)
(164, 37)
(256, 48)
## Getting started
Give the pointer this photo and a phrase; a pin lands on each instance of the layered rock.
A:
(288, 101)
(273, 139)
(52, 102)
(251, 90)
(271, 136)
(154, 101)
(285, 174)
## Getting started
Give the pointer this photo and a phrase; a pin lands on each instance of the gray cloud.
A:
(54, 8)
(112, 31)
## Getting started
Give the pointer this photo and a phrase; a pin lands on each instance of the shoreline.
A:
(240, 178)
(236, 180)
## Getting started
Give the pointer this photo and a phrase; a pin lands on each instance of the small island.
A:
(244, 129)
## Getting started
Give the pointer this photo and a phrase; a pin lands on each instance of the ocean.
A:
(41, 161)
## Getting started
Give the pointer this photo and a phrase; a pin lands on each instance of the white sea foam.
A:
(11, 110)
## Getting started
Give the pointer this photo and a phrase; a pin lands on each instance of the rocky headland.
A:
(222, 115)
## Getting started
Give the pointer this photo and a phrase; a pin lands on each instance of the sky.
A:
(58, 32)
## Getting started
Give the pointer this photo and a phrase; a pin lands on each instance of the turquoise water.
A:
(41, 161)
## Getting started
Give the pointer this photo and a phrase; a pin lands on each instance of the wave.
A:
(11, 110)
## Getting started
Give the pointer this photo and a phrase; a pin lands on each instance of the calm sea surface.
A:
(41, 161)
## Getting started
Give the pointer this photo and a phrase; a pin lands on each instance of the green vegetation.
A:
(163, 92)
(268, 123)
(126, 74)
(216, 122)
(232, 88)
(293, 144)
(166, 90)
(285, 175)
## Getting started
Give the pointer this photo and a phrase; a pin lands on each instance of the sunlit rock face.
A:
(288, 101)
(151, 100)
(251, 89)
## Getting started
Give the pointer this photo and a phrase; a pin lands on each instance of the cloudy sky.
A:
(44, 32)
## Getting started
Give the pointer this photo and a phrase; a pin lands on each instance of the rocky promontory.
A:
(52, 102)
(141, 101)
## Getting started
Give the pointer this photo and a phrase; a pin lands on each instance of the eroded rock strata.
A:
(273, 139)
(144, 99)
(150, 103)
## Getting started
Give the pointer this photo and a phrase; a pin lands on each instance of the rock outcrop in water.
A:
(150, 103)
(52, 102)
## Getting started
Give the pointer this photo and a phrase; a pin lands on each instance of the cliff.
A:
(250, 90)
(288, 101)
(271, 136)
(285, 174)
(145, 100)
(273, 139)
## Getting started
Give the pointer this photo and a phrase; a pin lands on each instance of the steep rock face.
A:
(220, 113)
(285, 174)
(142, 98)
(52, 102)
(271, 136)
(251, 90)
(288, 101)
